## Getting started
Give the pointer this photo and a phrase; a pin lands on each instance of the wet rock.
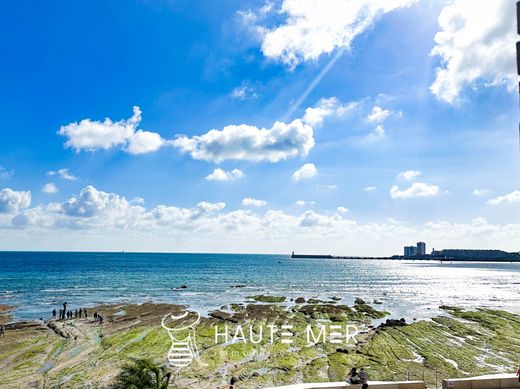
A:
(262, 298)
(238, 286)
(316, 301)
(182, 287)
(300, 300)
(359, 300)
(393, 323)
(221, 315)
(268, 312)
(326, 311)
(370, 311)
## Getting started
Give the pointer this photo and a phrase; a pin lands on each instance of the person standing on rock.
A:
(353, 377)
(518, 373)
(2, 331)
(232, 382)
(64, 309)
(85, 312)
(363, 376)
(54, 313)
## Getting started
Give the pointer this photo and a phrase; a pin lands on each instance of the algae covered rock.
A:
(261, 298)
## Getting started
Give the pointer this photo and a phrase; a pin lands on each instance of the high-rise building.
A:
(421, 248)
(410, 251)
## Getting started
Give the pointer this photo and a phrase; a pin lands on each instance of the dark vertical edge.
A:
(518, 57)
(518, 17)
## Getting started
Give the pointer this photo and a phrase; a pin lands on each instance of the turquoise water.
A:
(38, 282)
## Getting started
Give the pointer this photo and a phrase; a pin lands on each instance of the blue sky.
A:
(401, 114)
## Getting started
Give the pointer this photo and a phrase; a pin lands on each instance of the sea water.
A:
(35, 282)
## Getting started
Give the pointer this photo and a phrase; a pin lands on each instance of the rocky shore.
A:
(81, 353)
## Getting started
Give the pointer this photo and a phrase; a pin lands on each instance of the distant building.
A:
(410, 251)
(421, 248)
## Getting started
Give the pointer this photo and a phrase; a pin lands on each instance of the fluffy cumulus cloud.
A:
(250, 143)
(305, 172)
(417, 189)
(234, 142)
(91, 135)
(325, 107)
(311, 28)
(94, 207)
(251, 202)
(409, 175)
(476, 44)
(12, 201)
(342, 210)
(112, 222)
(379, 115)
(480, 192)
(50, 188)
(222, 175)
(63, 173)
(513, 197)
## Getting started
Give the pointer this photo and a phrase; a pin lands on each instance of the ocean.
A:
(37, 282)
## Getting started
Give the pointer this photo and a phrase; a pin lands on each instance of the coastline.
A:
(80, 352)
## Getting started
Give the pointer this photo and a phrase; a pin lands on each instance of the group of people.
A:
(65, 313)
(69, 314)
(98, 317)
(358, 378)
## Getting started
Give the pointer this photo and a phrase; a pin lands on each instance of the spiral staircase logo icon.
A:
(181, 329)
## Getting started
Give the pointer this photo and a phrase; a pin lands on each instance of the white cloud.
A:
(329, 186)
(50, 188)
(137, 200)
(303, 203)
(234, 142)
(12, 201)
(244, 91)
(6, 174)
(313, 28)
(62, 173)
(417, 189)
(370, 188)
(476, 43)
(251, 202)
(342, 210)
(221, 175)
(378, 115)
(513, 197)
(325, 107)
(305, 172)
(93, 203)
(97, 220)
(376, 135)
(481, 192)
(211, 207)
(143, 142)
(250, 143)
(92, 135)
(409, 175)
